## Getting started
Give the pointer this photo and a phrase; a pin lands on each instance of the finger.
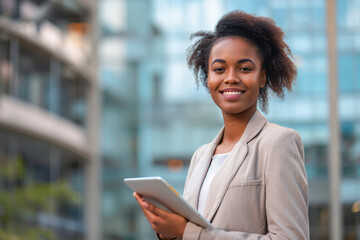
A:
(153, 219)
(150, 216)
(150, 207)
(143, 204)
(138, 198)
(158, 218)
(155, 210)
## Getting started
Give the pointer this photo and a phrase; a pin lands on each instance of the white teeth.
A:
(232, 93)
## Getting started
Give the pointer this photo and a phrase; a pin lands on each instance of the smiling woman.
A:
(250, 181)
(263, 36)
(235, 76)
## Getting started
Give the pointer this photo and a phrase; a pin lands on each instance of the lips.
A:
(232, 93)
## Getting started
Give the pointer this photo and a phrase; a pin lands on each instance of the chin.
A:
(233, 111)
(237, 111)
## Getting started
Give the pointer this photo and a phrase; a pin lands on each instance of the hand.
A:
(167, 224)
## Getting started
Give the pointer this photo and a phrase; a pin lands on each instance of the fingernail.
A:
(146, 205)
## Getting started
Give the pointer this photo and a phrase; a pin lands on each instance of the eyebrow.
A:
(239, 61)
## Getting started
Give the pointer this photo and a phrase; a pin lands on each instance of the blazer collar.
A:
(229, 169)
(254, 126)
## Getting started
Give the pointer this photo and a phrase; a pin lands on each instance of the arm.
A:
(286, 196)
(167, 225)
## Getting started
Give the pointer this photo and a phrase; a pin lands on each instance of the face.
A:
(235, 75)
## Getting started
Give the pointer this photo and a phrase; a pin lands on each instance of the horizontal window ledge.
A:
(24, 118)
(26, 35)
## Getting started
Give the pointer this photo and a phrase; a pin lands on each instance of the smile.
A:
(232, 93)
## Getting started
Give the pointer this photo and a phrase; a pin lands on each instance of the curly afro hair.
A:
(264, 35)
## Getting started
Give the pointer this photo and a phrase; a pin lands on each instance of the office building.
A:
(48, 108)
(165, 106)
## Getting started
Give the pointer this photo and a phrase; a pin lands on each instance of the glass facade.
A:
(156, 105)
(45, 82)
(41, 189)
(348, 27)
(33, 69)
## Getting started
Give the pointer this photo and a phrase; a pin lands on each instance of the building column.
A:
(93, 166)
(334, 124)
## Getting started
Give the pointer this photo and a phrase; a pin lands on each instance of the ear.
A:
(263, 78)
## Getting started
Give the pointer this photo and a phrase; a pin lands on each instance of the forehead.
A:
(234, 47)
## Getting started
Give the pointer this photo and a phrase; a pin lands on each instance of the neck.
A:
(235, 125)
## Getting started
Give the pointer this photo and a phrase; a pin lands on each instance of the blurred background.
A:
(93, 91)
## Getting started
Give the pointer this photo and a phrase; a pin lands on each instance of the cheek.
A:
(253, 81)
(212, 87)
(211, 82)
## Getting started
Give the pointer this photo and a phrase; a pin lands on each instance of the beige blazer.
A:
(260, 192)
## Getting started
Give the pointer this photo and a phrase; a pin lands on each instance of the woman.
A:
(250, 181)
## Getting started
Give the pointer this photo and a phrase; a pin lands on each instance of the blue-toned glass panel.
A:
(73, 95)
(5, 66)
(347, 68)
(33, 77)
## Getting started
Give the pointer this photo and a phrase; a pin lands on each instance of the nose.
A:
(232, 77)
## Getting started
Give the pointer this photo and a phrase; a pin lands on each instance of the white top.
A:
(216, 163)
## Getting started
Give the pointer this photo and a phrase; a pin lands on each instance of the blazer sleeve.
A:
(286, 200)
(190, 171)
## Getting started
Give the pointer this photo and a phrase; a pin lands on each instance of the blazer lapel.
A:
(200, 170)
(225, 175)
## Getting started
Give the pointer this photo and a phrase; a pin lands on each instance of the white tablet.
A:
(158, 192)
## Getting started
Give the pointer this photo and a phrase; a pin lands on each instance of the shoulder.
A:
(280, 146)
(202, 149)
(283, 150)
(274, 134)
(199, 152)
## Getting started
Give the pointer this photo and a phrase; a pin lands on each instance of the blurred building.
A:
(156, 106)
(47, 106)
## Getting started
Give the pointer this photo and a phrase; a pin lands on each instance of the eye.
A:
(245, 69)
(218, 70)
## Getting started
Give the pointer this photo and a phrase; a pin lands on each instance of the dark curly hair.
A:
(262, 32)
